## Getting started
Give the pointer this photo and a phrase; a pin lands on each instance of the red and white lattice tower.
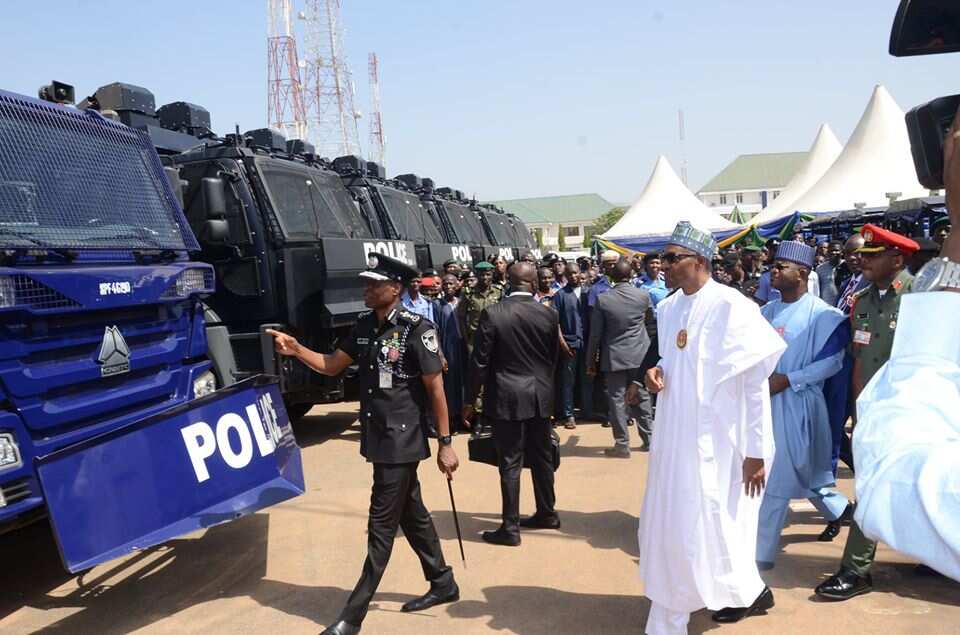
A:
(285, 106)
(377, 142)
(328, 87)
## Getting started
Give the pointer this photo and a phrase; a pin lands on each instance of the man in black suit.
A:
(514, 356)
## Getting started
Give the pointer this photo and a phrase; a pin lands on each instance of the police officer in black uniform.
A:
(401, 381)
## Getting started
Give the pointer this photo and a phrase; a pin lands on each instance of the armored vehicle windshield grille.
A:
(72, 179)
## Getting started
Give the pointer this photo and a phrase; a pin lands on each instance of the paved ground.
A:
(289, 570)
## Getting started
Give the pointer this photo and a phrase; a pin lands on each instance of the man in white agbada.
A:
(712, 448)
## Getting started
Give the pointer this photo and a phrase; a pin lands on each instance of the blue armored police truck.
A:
(111, 422)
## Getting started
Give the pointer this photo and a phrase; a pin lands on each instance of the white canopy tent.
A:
(824, 151)
(664, 202)
(875, 161)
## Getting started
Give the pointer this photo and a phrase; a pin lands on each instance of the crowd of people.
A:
(741, 369)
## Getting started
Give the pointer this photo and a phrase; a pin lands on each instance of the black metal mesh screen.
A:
(72, 179)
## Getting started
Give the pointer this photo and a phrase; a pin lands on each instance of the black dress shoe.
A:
(762, 604)
(844, 585)
(830, 531)
(833, 527)
(341, 628)
(433, 597)
(501, 537)
(540, 522)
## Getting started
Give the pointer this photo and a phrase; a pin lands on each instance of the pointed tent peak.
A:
(826, 139)
(663, 169)
(823, 152)
(664, 202)
(877, 159)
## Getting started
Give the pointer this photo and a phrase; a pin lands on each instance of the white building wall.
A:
(551, 233)
(750, 202)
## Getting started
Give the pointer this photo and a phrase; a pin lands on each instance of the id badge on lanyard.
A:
(386, 379)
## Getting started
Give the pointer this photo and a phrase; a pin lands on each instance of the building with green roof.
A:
(545, 215)
(750, 182)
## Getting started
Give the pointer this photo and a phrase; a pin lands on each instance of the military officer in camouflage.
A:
(873, 316)
(401, 381)
(476, 299)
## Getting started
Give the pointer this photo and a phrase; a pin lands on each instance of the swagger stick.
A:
(456, 521)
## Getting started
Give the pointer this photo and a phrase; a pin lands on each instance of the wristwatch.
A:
(938, 275)
(445, 440)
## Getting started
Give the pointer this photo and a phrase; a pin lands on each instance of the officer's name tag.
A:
(861, 337)
(386, 379)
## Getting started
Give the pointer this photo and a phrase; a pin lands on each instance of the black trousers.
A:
(514, 440)
(395, 502)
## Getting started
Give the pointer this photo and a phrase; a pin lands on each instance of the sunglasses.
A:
(671, 258)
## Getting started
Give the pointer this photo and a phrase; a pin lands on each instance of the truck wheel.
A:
(298, 410)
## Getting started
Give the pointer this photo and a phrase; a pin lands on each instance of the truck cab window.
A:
(311, 204)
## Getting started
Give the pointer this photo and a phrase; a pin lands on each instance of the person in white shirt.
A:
(713, 446)
(907, 441)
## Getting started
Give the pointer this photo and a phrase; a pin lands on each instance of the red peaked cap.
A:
(877, 239)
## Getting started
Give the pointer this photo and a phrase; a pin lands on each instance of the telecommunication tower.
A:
(285, 105)
(377, 145)
(332, 119)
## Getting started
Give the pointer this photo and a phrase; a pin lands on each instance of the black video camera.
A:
(928, 27)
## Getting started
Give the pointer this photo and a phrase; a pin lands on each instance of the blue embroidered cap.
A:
(798, 252)
(689, 237)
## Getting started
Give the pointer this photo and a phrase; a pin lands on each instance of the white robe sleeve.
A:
(757, 395)
(907, 440)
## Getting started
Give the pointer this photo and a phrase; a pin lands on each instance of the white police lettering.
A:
(115, 288)
(388, 248)
(537, 254)
(461, 253)
(202, 441)
(506, 253)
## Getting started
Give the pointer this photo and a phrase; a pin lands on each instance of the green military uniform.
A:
(470, 308)
(873, 320)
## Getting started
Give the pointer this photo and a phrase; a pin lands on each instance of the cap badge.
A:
(868, 236)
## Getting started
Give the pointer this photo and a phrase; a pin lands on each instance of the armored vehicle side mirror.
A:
(214, 197)
(215, 230)
(215, 227)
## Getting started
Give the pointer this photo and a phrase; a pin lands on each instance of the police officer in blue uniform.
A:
(400, 375)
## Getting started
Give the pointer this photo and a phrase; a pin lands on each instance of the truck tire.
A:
(298, 411)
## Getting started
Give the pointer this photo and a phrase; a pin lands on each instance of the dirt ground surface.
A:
(289, 569)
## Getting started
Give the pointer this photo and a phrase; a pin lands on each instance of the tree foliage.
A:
(561, 239)
(602, 224)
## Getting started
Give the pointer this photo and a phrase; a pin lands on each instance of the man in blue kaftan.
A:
(816, 335)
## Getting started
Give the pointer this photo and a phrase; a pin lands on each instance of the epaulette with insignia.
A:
(411, 317)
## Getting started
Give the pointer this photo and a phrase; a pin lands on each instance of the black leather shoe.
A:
(844, 585)
(833, 527)
(605, 424)
(540, 522)
(501, 537)
(830, 531)
(432, 597)
(341, 628)
(761, 605)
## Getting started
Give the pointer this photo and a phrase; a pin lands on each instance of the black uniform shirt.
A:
(393, 402)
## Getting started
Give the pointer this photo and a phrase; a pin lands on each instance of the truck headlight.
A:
(205, 384)
(190, 281)
(9, 451)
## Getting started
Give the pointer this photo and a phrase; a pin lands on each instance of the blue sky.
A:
(510, 99)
